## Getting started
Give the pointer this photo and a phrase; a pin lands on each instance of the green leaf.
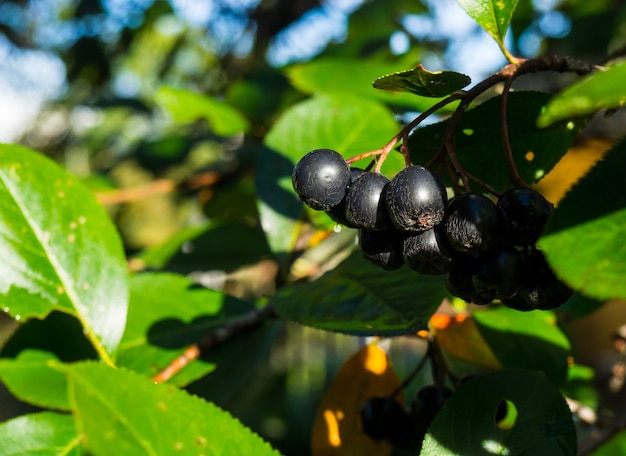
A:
(616, 445)
(124, 413)
(467, 422)
(420, 81)
(60, 250)
(494, 16)
(167, 313)
(44, 433)
(32, 379)
(600, 90)
(585, 242)
(221, 246)
(186, 106)
(479, 141)
(353, 77)
(525, 340)
(347, 124)
(360, 298)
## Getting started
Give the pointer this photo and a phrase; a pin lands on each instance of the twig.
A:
(418, 368)
(157, 187)
(506, 141)
(217, 337)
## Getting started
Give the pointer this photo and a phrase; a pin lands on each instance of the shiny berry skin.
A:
(426, 252)
(497, 273)
(540, 288)
(416, 199)
(459, 281)
(471, 223)
(338, 212)
(321, 178)
(365, 207)
(383, 248)
(524, 213)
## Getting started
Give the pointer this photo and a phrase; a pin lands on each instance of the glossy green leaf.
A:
(467, 423)
(347, 124)
(599, 90)
(167, 313)
(479, 141)
(220, 246)
(124, 413)
(360, 298)
(525, 340)
(31, 378)
(585, 241)
(494, 16)
(60, 250)
(420, 81)
(41, 434)
(186, 106)
(353, 76)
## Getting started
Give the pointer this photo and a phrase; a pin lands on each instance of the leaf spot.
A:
(200, 441)
(178, 446)
(86, 286)
(45, 236)
(530, 156)
(162, 406)
(73, 226)
(82, 220)
(61, 194)
(71, 238)
(60, 290)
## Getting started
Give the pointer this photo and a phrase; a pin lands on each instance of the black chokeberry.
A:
(383, 248)
(416, 199)
(541, 288)
(497, 273)
(427, 402)
(338, 212)
(471, 223)
(383, 418)
(426, 252)
(321, 178)
(524, 213)
(459, 281)
(365, 207)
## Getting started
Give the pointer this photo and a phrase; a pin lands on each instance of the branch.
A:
(248, 321)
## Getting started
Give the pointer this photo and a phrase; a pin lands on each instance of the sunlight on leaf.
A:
(337, 427)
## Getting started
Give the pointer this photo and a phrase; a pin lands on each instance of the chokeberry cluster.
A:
(383, 418)
(486, 249)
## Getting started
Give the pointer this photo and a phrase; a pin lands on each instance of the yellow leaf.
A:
(337, 428)
(459, 336)
(574, 165)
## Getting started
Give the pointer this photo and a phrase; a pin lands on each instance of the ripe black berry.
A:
(384, 418)
(427, 402)
(524, 213)
(497, 273)
(540, 288)
(459, 281)
(426, 252)
(338, 212)
(383, 248)
(471, 223)
(416, 199)
(365, 207)
(320, 178)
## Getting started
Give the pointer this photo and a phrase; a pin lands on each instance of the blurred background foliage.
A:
(90, 84)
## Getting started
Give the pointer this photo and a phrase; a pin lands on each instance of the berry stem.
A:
(427, 355)
(506, 142)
